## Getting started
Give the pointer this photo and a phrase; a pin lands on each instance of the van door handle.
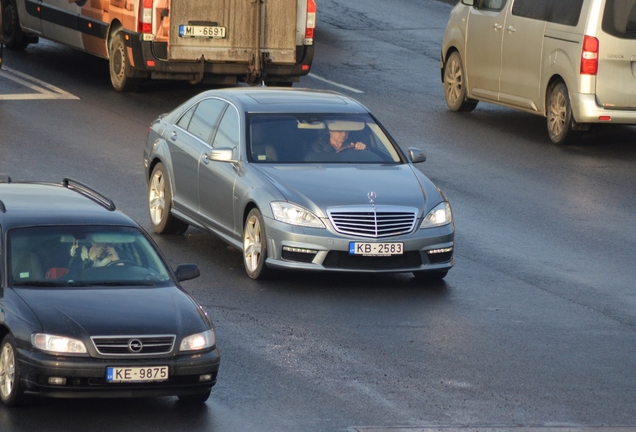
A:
(511, 29)
(173, 136)
(497, 26)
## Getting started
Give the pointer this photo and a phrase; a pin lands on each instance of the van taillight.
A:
(311, 22)
(145, 17)
(589, 56)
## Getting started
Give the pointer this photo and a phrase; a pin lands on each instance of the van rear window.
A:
(619, 18)
(566, 12)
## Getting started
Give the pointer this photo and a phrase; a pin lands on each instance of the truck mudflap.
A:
(149, 60)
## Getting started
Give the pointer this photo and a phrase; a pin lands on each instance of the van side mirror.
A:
(417, 155)
(186, 272)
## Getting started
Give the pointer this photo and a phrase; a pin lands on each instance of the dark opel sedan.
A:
(89, 307)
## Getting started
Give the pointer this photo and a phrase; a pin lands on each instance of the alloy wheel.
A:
(157, 198)
(252, 243)
(558, 114)
(7, 371)
(453, 81)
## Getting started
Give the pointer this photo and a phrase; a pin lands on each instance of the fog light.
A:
(299, 250)
(438, 251)
(206, 377)
(57, 381)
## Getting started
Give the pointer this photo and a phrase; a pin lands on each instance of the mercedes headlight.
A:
(295, 215)
(198, 341)
(57, 344)
(440, 215)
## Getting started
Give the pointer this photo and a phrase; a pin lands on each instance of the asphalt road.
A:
(534, 327)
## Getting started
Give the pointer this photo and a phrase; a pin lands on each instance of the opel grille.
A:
(147, 345)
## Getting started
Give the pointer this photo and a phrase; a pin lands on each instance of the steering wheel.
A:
(122, 262)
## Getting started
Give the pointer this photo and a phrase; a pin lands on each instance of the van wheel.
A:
(559, 115)
(14, 37)
(120, 67)
(160, 204)
(454, 87)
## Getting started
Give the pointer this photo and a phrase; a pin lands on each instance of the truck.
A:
(219, 42)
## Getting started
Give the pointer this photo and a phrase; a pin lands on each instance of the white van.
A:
(215, 41)
(572, 61)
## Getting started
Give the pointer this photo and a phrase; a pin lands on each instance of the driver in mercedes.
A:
(336, 141)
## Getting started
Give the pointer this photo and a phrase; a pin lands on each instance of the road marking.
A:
(496, 429)
(351, 89)
(42, 89)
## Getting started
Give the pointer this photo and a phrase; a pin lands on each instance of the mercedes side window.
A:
(227, 134)
(184, 121)
(205, 118)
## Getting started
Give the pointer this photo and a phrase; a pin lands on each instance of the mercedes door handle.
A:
(497, 26)
(511, 29)
(173, 136)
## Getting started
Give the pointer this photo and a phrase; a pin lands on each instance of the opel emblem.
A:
(135, 345)
(372, 196)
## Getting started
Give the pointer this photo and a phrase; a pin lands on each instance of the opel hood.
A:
(77, 312)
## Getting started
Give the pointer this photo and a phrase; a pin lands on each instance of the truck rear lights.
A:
(145, 17)
(311, 22)
(589, 56)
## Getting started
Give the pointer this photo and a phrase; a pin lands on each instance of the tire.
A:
(255, 246)
(195, 399)
(121, 70)
(559, 115)
(454, 88)
(160, 204)
(430, 275)
(11, 391)
(14, 37)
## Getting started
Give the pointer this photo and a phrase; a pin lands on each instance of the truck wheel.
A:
(160, 204)
(454, 85)
(14, 37)
(559, 115)
(120, 67)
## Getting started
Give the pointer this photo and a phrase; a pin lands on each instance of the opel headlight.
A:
(295, 215)
(440, 215)
(57, 344)
(198, 341)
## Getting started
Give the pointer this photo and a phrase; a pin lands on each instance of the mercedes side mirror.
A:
(417, 155)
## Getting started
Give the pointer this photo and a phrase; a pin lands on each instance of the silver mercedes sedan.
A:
(296, 179)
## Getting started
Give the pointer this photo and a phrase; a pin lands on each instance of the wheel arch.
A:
(553, 81)
(445, 57)
(115, 27)
(4, 330)
(246, 211)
